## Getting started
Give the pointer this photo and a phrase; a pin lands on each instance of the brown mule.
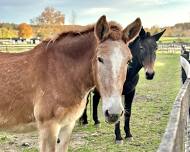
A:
(49, 84)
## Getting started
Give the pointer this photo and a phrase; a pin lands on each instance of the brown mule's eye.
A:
(129, 61)
(100, 59)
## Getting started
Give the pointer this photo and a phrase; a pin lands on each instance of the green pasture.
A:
(174, 39)
(150, 113)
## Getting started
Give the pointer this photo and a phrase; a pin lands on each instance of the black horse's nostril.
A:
(149, 76)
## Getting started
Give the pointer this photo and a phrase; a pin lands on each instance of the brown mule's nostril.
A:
(122, 113)
(107, 113)
(58, 141)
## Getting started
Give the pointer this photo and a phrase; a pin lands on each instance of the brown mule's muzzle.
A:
(112, 118)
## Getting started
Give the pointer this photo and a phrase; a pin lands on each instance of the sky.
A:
(152, 12)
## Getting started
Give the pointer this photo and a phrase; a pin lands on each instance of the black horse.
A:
(143, 50)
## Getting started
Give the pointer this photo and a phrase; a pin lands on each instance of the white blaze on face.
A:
(114, 103)
(116, 61)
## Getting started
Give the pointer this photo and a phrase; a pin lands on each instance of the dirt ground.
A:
(28, 142)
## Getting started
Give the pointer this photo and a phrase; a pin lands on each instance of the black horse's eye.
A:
(141, 48)
(100, 59)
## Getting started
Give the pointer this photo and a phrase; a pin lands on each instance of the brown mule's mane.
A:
(115, 32)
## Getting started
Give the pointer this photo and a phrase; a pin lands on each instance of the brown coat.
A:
(49, 83)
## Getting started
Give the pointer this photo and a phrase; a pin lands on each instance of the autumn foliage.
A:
(50, 17)
(50, 21)
(25, 30)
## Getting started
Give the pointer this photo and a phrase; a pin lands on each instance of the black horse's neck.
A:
(134, 67)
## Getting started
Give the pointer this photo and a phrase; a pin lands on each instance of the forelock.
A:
(115, 32)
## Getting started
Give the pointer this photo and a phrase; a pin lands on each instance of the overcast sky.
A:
(152, 12)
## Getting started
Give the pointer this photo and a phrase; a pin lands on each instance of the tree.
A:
(154, 29)
(50, 21)
(8, 32)
(50, 16)
(169, 31)
(25, 30)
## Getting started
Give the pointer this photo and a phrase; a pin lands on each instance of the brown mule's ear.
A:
(132, 31)
(101, 28)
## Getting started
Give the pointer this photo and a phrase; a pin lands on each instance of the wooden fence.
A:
(176, 137)
(172, 47)
(163, 47)
(15, 47)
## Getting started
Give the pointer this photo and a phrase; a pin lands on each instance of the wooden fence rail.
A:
(172, 47)
(163, 47)
(15, 48)
(174, 137)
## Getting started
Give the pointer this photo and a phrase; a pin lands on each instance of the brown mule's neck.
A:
(70, 65)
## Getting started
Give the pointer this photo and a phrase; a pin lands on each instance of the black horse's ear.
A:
(142, 33)
(158, 35)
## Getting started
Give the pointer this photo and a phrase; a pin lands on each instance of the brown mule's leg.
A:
(48, 132)
(64, 137)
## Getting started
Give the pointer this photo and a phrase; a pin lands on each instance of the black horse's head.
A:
(145, 47)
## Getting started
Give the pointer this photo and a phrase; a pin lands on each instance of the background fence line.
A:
(172, 47)
(162, 47)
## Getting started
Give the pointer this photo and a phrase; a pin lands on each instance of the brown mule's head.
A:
(110, 63)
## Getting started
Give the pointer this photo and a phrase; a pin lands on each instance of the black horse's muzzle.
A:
(149, 76)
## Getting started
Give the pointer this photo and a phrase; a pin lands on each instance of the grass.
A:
(174, 39)
(3, 138)
(150, 113)
(30, 150)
